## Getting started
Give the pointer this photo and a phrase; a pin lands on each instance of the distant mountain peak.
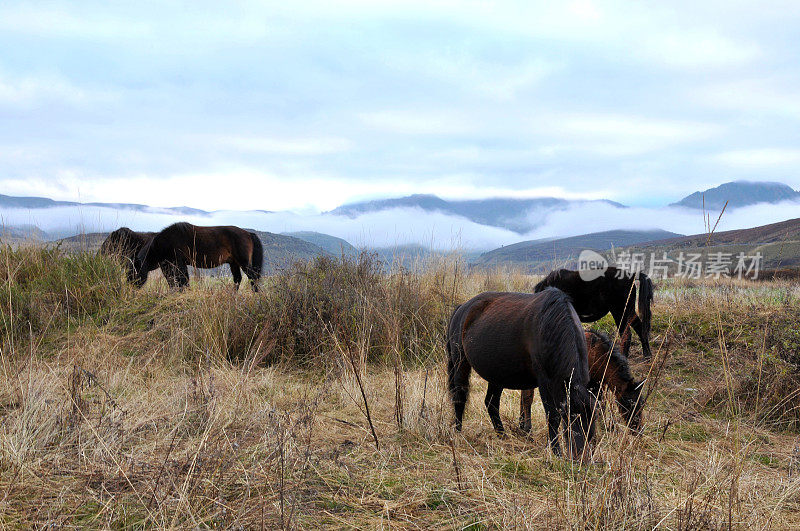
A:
(739, 194)
(512, 213)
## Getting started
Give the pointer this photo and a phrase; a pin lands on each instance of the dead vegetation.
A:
(321, 401)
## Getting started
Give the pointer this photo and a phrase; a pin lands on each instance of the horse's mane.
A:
(122, 230)
(620, 361)
(561, 332)
(553, 278)
(179, 226)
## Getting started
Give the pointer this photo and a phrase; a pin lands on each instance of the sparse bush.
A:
(311, 307)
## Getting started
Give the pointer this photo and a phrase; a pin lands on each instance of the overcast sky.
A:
(307, 105)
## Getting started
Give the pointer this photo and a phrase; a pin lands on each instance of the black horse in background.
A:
(522, 341)
(182, 244)
(608, 369)
(614, 291)
(126, 244)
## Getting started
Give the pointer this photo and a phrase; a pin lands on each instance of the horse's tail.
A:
(645, 315)
(257, 258)
(458, 367)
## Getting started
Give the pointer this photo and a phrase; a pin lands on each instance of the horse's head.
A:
(556, 279)
(139, 269)
(116, 242)
(630, 405)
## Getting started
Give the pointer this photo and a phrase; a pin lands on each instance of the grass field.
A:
(321, 402)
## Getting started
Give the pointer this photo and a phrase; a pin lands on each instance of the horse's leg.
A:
(552, 411)
(237, 275)
(458, 370)
(636, 323)
(622, 320)
(168, 270)
(525, 402)
(625, 340)
(253, 274)
(183, 274)
(492, 402)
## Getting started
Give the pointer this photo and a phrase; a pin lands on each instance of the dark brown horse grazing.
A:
(607, 368)
(181, 245)
(126, 244)
(614, 291)
(520, 341)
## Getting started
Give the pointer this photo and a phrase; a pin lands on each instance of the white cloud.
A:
(418, 122)
(752, 96)
(282, 145)
(29, 90)
(699, 49)
(618, 135)
(759, 158)
(64, 21)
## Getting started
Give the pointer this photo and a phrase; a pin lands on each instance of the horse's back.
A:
(206, 246)
(495, 332)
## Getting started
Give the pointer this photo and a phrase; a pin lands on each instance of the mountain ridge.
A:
(505, 212)
(738, 194)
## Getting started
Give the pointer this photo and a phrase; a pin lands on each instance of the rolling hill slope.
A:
(332, 244)
(546, 254)
(778, 243)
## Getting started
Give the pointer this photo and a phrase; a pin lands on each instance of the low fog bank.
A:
(598, 217)
(378, 229)
(404, 226)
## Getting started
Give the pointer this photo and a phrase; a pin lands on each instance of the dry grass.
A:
(125, 409)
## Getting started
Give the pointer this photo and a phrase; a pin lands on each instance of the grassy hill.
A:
(281, 250)
(89, 242)
(21, 233)
(547, 254)
(778, 243)
(332, 244)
